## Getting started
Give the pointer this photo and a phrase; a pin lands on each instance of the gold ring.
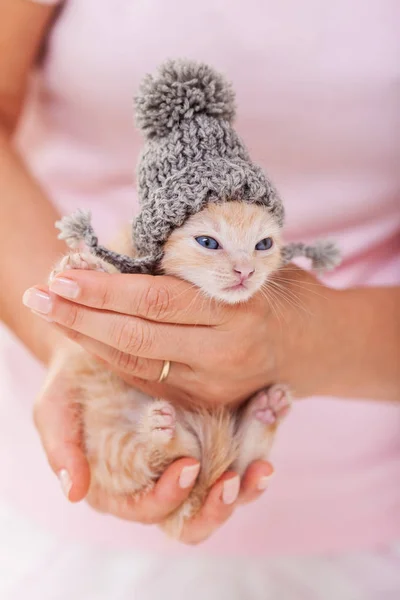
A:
(164, 371)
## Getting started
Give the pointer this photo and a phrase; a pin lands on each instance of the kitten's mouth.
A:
(237, 286)
(239, 292)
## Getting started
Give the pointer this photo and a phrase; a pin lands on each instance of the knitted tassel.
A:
(76, 229)
(324, 255)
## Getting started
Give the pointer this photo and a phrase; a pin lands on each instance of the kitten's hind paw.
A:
(159, 421)
(78, 260)
(271, 405)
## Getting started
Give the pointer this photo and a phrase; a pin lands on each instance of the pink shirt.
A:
(318, 97)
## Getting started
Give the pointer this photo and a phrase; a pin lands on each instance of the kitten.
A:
(229, 250)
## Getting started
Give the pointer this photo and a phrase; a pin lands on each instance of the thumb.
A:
(57, 417)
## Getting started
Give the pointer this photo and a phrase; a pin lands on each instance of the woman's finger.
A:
(218, 507)
(168, 494)
(57, 419)
(130, 335)
(127, 364)
(162, 299)
(225, 495)
(255, 481)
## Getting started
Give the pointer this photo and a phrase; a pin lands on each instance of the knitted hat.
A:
(192, 156)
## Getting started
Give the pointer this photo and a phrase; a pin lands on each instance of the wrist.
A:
(315, 348)
(348, 346)
(309, 357)
(333, 345)
(364, 354)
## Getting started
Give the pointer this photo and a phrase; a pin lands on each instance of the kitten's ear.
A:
(324, 254)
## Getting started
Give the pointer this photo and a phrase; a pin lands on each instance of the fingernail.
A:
(45, 317)
(65, 481)
(37, 300)
(230, 490)
(65, 287)
(263, 482)
(188, 476)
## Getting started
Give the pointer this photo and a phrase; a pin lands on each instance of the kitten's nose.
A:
(244, 271)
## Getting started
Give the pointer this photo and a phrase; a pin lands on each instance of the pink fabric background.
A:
(318, 97)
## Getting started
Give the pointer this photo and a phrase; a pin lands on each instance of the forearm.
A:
(369, 322)
(360, 349)
(28, 247)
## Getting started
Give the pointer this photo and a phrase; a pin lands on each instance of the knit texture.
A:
(191, 156)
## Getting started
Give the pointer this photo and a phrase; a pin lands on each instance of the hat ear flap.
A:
(76, 229)
(324, 254)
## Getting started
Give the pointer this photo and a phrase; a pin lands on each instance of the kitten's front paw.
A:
(159, 421)
(78, 260)
(271, 405)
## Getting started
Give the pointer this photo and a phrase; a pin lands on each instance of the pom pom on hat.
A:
(180, 91)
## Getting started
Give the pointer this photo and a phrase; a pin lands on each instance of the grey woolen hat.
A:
(192, 156)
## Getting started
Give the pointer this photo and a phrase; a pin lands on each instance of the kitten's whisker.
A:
(289, 296)
(301, 285)
(204, 300)
(185, 291)
(209, 310)
(188, 307)
(286, 289)
(294, 280)
(268, 295)
(287, 271)
(293, 302)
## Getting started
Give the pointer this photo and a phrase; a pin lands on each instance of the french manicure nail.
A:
(230, 490)
(65, 287)
(65, 481)
(37, 300)
(263, 482)
(188, 476)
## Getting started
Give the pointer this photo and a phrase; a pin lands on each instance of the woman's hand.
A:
(57, 418)
(316, 339)
(218, 353)
(298, 331)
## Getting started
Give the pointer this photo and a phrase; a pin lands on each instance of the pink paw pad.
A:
(162, 420)
(272, 405)
(77, 260)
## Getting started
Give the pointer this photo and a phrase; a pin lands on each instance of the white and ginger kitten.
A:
(228, 250)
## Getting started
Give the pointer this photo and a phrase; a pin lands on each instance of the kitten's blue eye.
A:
(264, 244)
(207, 242)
